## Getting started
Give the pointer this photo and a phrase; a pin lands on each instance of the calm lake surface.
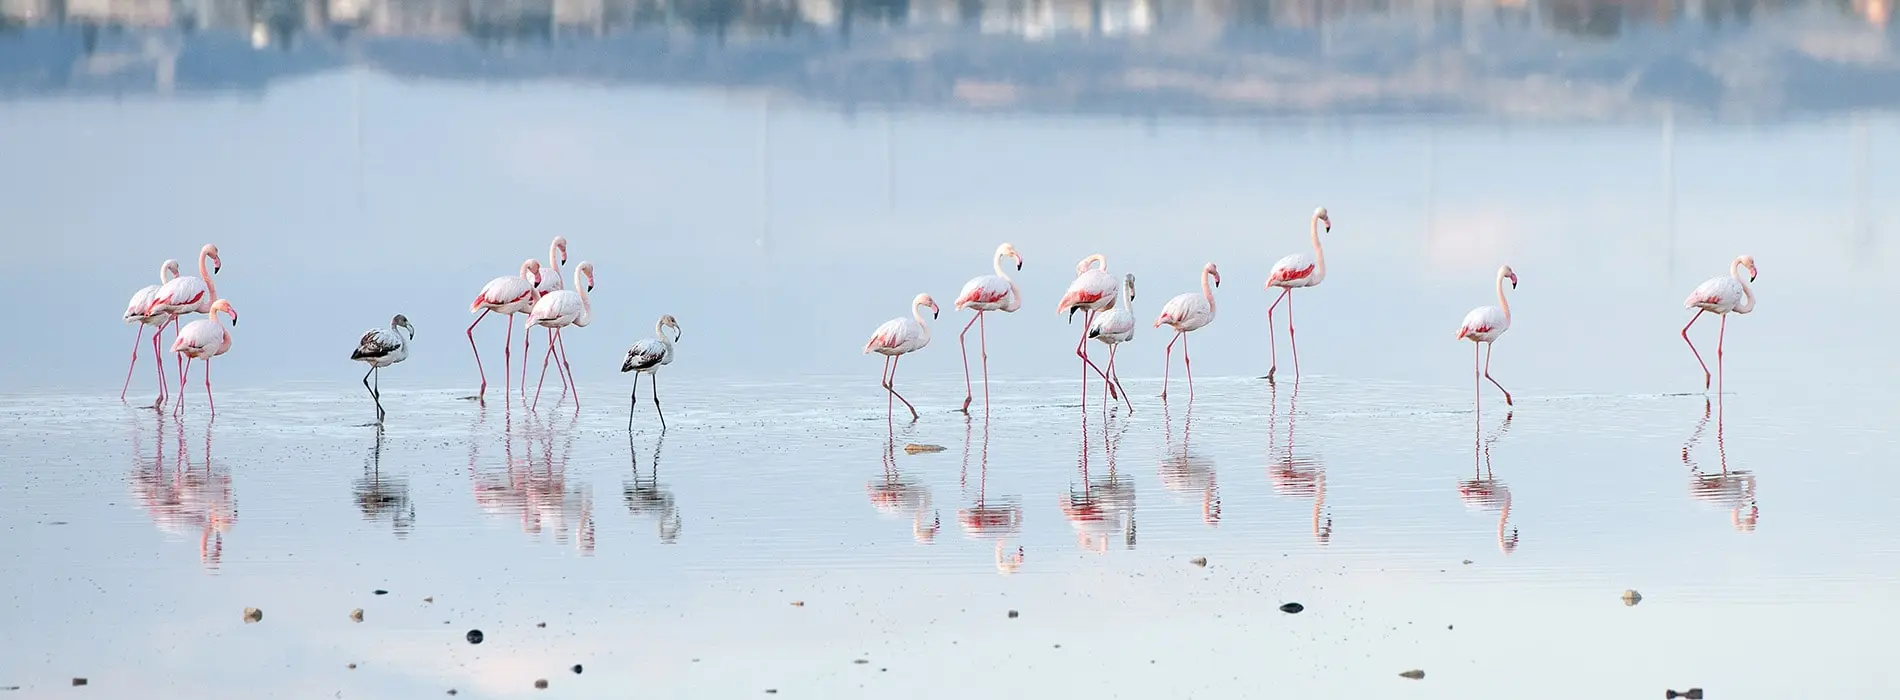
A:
(783, 178)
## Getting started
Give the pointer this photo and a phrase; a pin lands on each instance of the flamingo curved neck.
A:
(204, 273)
(1503, 303)
(554, 258)
(1748, 295)
(166, 273)
(1015, 295)
(919, 315)
(587, 306)
(1319, 254)
(659, 329)
(1207, 291)
(1091, 261)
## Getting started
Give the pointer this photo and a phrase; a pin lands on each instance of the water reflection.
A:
(537, 492)
(1483, 491)
(1185, 473)
(1106, 507)
(646, 497)
(384, 497)
(1734, 490)
(1293, 474)
(894, 494)
(185, 500)
(1000, 520)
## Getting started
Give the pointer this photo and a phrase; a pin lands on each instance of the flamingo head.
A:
(401, 321)
(1320, 216)
(925, 300)
(1091, 261)
(587, 270)
(560, 249)
(170, 266)
(1130, 281)
(1010, 250)
(225, 306)
(211, 251)
(1506, 273)
(531, 269)
(1748, 261)
(1212, 271)
(668, 321)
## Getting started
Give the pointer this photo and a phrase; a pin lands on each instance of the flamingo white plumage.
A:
(1483, 326)
(379, 348)
(556, 311)
(1186, 313)
(551, 281)
(202, 339)
(1093, 290)
(1114, 327)
(1720, 296)
(137, 310)
(506, 296)
(646, 357)
(188, 295)
(899, 336)
(987, 293)
(1290, 273)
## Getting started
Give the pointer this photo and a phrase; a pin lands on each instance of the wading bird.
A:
(551, 282)
(137, 311)
(1483, 325)
(382, 347)
(1290, 273)
(506, 296)
(202, 339)
(646, 357)
(188, 295)
(1720, 295)
(556, 311)
(899, 336)
(1186, 313)
(1114, 327)
(995, 292)
(1092, 291)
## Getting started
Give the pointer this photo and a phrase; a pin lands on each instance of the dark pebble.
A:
(577, 669)
(79, 681)
(1292, 608)
(541, 624)
(541, 684)
(451, 691)
(474, 636)
(1013, 614)
(380, 591)
(771, 691)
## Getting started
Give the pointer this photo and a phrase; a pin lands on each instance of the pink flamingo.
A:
(202, 339)
(187, 295)
(1114, 327)
(899, 336)
(1186, 313)
(550, 282)
(135, 312)
(558, 310)
(1721, 295)
(1093, 290)
(1293, 272)
(1483, 325)
(984, 294)
(506, 296)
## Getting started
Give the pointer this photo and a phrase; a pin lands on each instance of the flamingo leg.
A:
(209, 402)
(1477, 393)
(1290, 339)
(1081, 350)
(632, 401)
(544, 376)
(158, 359)
(478, 353)
(1187, 365)
(1698, 354)
(527, 345)
(1113, 372)
(1273, 345)
(507, 358)
(135, 362)
(884, 380)
(567, 370)
(1168, 364)
(184, 373)
(373, 395)
(964, 348)
(560, 369)
(1488, 347)
(891, 386)
(983, 345)
(655, 379)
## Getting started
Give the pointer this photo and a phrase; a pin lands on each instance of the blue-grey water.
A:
(782, 182)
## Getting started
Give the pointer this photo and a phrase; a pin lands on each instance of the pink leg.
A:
(1487, 374)
(1081, 350)
(212, 403)
(963, 347)
(507, 357)
(884, 380)
(1721, 338)
(1187, 366)
(1118, 378)
(184, 373)
(892, 387)
(1290, 339)
(1168, 364)
(158, 360)
(544, 376)
(983, 341)
(560, 371)
(567, 371)
(1273, 344)
(1698, 355)
(135, 363)
(478, 353)
(527, 345)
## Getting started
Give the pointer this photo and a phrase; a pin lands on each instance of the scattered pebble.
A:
(1413, 674)
(357, 615)
(1631, 597)
(352, 667)
(253, 615)
(429, 599)
(1199, 561)
(474, 636)
(540, 684)
(860, 662)
(1447, 626)
(380, 591)
(577, 669)
(1013, 614)
(541, 624)
(771, 691)
(798, 603)
(451, 691)
(914, 448)
(1467, 561)
(1691, 694)
(82, 681)
(1291, 608)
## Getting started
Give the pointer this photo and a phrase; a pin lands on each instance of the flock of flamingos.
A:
(1105, 302)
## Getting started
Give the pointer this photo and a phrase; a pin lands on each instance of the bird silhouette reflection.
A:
(536, 490)
(1292, 474)
(646, 497)
(1185, 473)
(1102, 508)
(1724, 488)
(185, 499)
(384, 497)
(894, 494)
(1483, 491)
(999, 521)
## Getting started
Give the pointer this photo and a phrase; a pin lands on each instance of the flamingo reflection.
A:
(1294, 475)
(537, 491)
(1186, 473)
(1483, 491)
(1735, 489)
(384, 497)
(894, 494)
(645, 496)
(186, 500)
(1102, 508)
(998, 521)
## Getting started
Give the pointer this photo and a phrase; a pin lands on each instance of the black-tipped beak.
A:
(1329, 227)
(1751, 276)
(233, 319)
(933, 313)
(1019, 265)
(590, 286)
(215, 267)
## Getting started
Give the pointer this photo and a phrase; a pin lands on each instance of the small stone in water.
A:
(357, 615)
(540, 624)
(253, 615)
(1198, 561)
(1631, 597)
(541, 684)
(798, 603)
(771, 691)
(429, 599)
(380, 591)
(1413, 674)
(577, 669)
(474, 636)
(914, 448)
(79, 681)
(352, 667)
(1467, 561)
(1691, 694)
(1292, 608)
(1013, 614)
(451, 691)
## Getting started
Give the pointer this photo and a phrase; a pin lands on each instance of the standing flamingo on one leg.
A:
(1483, 325)
(556, 311)
(506, 296)
(203, 339)
(1292, 272)
(188, 295)
(1721, 295)
(551, 282)
(987, 293)
(646, 357)
(899, 336)
(1092, 291)
(1114, 327)
(136, 312)
(382, 347)
(1186, 313)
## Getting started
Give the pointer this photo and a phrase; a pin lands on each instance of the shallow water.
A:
(1752, 518)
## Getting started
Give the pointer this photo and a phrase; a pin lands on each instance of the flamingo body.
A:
(1484, 324)
(898, 336)
(188, 294)
(1294, 271)
(1093, 290)
(139, 308)
(202, 339)
(987, 293)
(382, 347)
(1718, 295)
(558, 310)
(507, 295)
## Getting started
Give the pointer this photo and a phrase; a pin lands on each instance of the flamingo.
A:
(187, 295)
(1114, 327)
(646, 357)
(899, 336)
(558, 310)
(379, 348)
(135, 312)
(1092, 291)
(1290, 273)
(1186, 313)
(506, 296)
(550, 283)
(202, 339)
(987, 293)
(1721, 295)
(1484, 324)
